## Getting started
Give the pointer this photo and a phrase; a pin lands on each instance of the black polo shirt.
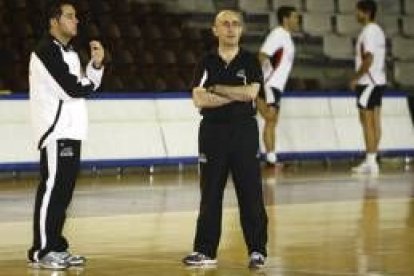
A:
(242, 70)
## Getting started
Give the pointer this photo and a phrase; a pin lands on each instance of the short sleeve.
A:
(370, 40)
(254, 70)
(271, 43)
(200, 74)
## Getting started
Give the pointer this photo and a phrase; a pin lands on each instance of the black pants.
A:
(230, 147)
(59, 166)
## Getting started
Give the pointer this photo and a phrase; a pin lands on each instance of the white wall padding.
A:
(319, 124)
(123, 129)
(16, 132)
(396, 124)
(347, 126)
(181, 138)
(306, 125)
(126, 129)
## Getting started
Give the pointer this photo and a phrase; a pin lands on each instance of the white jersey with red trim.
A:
(372, 40)
(281, 51)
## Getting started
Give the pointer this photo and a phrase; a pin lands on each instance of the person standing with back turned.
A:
(227, 81)
(369, 82)
(276, 56)
(58, 110)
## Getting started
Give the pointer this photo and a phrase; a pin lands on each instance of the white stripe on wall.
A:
(51, 153)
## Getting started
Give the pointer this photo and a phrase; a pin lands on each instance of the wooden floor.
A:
(322, 221)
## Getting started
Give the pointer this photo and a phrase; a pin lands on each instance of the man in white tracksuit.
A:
(58, 87)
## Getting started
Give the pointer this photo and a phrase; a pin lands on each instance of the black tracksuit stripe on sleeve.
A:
(48, 52)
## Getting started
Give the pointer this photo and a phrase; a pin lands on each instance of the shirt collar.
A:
(66, 48)
(236, 57)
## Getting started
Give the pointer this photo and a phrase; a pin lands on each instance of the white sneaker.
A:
(72, 260)
(257, 260)
(52, 261)
(366, 168)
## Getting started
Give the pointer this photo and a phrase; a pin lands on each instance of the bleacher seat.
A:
(196, 6)
(177, 83)
(402, 48)
(257, 24)
(160, 84)
(131, 31)
(23, 31)
(320, 6)
(113, 32)
(317, 24)
(104, 20)
(83, 6)
(18, 4)
(115, 83)
(390, 7)
(100, 7)
(408, 25)
(403, 75)
(166, 59)
(124, 57)
(256, 6)
(4, 29)
(346, 6)
(409, 7)
(121, 8)
(92, 31)
(338, 47)
(226, 4)
(146, 62)
(134, 31)
(384, 7)
(390, 25)
(346, 24)
(295, 3)
(3, 85)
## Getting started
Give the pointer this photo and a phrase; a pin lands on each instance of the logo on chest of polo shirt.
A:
(242, 74)
(67, 152)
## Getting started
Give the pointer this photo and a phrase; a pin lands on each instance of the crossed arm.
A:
(204, 99)
(219, 95)
(242, 93)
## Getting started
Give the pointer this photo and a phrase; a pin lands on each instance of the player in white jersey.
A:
(276, 56)
(369, 82)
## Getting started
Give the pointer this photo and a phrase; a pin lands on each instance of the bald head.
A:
(225, 14)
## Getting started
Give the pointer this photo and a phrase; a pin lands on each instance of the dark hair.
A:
(283, 12)
(55, 8)
(367, 6)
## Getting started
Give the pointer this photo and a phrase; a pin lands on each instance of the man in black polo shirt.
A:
(227, 81)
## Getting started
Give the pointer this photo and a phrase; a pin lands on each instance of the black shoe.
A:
(199, 259)
(257, 260)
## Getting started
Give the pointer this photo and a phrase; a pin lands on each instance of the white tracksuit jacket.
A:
(57, 88)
